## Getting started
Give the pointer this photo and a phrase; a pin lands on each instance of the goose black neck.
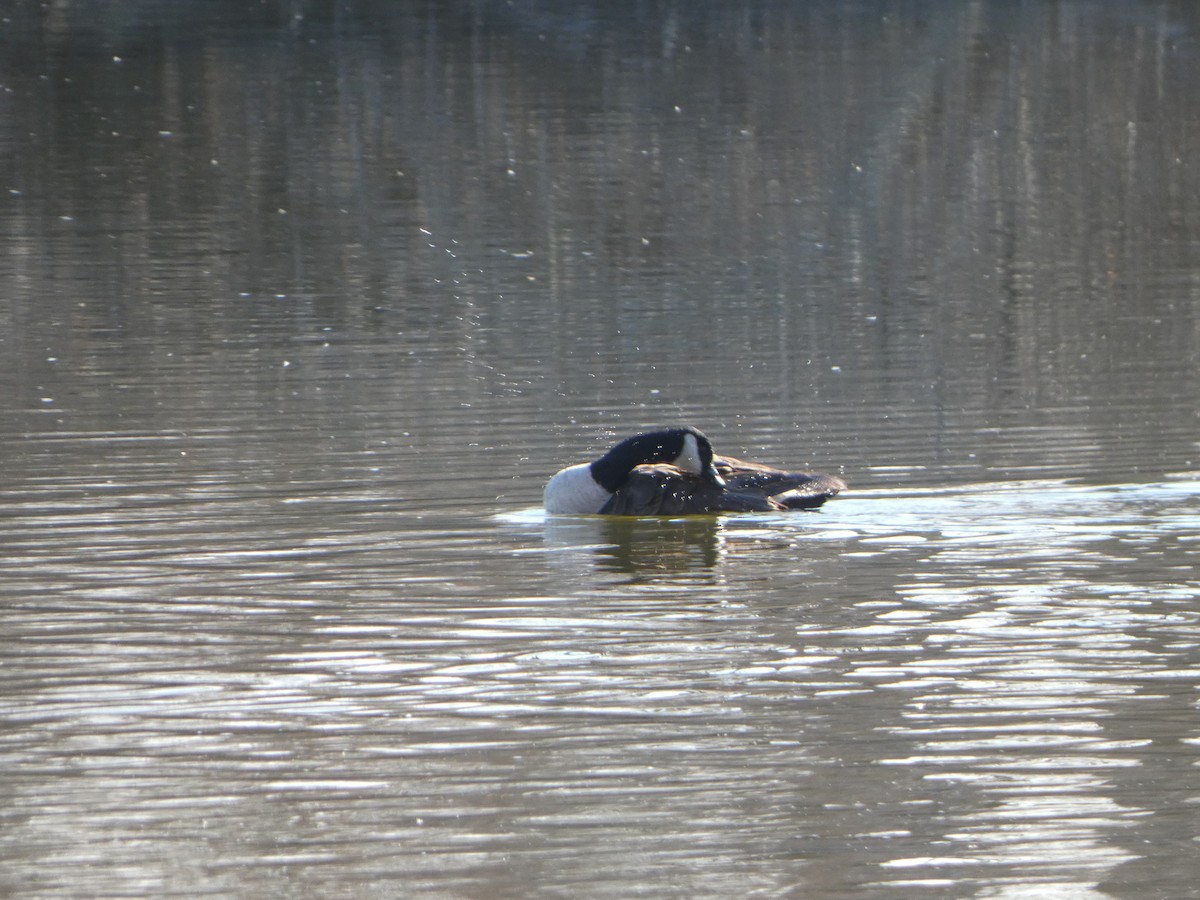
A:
(611, 470)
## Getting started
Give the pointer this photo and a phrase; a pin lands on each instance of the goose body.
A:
(675, 472)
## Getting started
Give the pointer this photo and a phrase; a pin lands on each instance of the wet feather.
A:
(661, 489)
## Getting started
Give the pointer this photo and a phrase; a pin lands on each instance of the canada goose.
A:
(674, 472)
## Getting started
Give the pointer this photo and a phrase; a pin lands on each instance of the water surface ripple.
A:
(993, 717)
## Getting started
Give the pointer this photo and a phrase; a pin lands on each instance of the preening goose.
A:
(674, 472)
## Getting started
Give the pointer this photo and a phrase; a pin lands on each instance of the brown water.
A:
(299, 309)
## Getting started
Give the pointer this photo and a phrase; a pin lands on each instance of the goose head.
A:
(686, 448)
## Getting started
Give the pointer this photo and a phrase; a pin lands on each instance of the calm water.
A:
(299, 308)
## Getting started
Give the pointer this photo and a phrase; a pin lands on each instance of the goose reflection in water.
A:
(642, 546)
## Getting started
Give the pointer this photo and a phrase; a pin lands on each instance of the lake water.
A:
(301, 305)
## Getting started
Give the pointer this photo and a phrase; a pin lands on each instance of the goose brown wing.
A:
(782, 490)
(663, 490)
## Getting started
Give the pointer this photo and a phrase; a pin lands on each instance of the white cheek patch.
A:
(689, 457)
